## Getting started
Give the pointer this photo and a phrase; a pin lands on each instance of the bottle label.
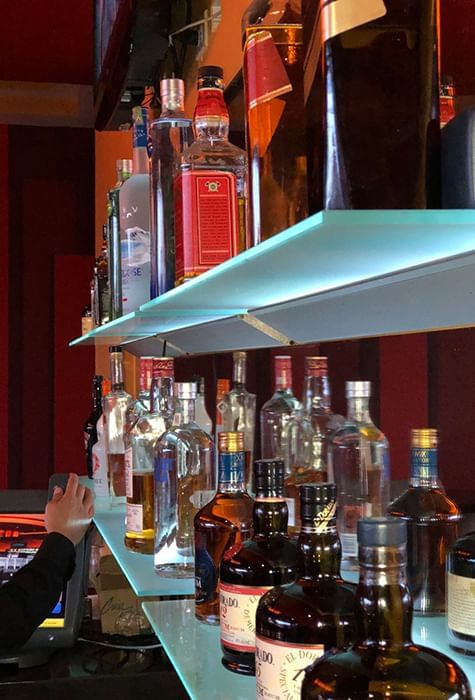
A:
(283, 373)
(291, 508)
(135, 261)
(206, 575)
(424, 462)
(324, 521)
(461, 604)
(163, 367)
(134, 517)
(237, 615)
(99, 469)
(128, 466)
(280, 667)
(231, 468)
(146, 364)
(206, 221)
(140, 137)
(349, 544)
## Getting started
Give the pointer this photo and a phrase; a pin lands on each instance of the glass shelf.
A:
(137, 568)
(411, 270)
(194, 650)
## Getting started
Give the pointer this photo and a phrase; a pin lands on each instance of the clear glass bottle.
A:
(114, 405)
(222, 388)
(296, 624)
(224, 522)
(124, 171)
(140, 458)
(275, 115)
(90, 426)
(201, 414)
(100, 294)
(384, 662)
(460, 594)
(170, 134)
(185, 480)
(248, 571)
(141, 404)
(277, 410)
(359, 466)
(432, 521)
(134, 208)
(238, 412)
(211, 190)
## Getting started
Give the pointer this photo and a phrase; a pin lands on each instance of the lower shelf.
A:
(194, 650)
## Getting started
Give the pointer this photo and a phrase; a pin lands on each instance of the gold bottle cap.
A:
(424, 437)
(231, 441)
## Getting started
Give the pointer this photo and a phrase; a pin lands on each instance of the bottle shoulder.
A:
(424, 503)
(263, 560)
(226, 509)
(281, 402)
(353, 432)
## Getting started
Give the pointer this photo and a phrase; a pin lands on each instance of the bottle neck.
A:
(384, 604)
(283, 379)
(140, 160)
(316, 393)
(97, 396)
(231, 472)
(270, 516)
(186, 408)
(211, 118)
(139, 153)
(358, 409)
(173, 106)
(424, 470)
(161, 395)
(320, 544)
(117, 371)
(239, 372)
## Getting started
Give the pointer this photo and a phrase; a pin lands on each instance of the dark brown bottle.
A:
(250, 569)
(296, 624)
(371, 96)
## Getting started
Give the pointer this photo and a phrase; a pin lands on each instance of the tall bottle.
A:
(224, 522)
(124, 171)
(296, 624)
(141, 404)
(140, 458)
(359, 456)
(384, 662)
(90, 426)
(211, 191)
(170, 134)
(114, 406)
(277, 410)
(371, 97)
(222, 388)
(275, 115)
(238, 412)
(460, 594)
(432, 525)
(134, 203)
(185, 480)
(100, 475)
(268, 559)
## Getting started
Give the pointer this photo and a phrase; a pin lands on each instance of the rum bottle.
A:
(432, 525)
(124, 171)
(461, 594)
(277, 410)
(224, 522)
(384, 662)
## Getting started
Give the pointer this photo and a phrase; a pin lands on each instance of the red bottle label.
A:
(266, 77)
(283, 371)
(316, 366)
(206, 221)
(163, 367)
(145, 372)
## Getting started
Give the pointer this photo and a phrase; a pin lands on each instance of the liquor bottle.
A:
(140, 458)
(90, 426)
(114, 405)
(100, 293)
(306, 435)
(432, 525)
(238, 412)
(275, 115)
(296, 624)
(222, 388)
(224, 522)
(100, 475)
(460, 594)
(378, 150)
(276, 411)
(248, 571)
(124, 171)
(170, 134)
(211, 190)
(87, 321)
(384, 662)
(359, 466)
(185, 480)
(134, 208)
(201, 414)
(141, 404)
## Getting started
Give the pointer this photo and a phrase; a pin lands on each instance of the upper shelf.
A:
(410, 270)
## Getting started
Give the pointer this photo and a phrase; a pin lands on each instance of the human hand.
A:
(70, 512)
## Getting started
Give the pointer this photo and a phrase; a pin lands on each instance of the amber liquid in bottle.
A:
(142, 486)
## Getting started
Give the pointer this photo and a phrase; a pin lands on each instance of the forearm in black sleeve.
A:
(33, 591)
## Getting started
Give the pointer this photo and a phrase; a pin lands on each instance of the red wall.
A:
(4, 306)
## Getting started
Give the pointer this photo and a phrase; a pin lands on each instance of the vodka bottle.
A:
(124, 171)
(276, 411)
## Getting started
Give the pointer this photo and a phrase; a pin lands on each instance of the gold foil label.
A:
(323, 520)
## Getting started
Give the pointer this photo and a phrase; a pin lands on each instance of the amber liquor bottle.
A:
(461, 594)
(248, 571)
(383, 662)
(298, 623)
(222, 523)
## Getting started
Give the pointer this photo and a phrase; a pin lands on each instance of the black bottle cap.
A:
(269, 478)
(314, 498)
(115, 348)
(210, 72)
(382, 532)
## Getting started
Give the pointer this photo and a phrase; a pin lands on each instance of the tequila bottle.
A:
(276, 412)
(124, 171)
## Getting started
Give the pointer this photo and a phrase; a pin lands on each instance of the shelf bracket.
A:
(265, 329)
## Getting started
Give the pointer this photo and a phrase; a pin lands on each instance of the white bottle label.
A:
(135, 257)
(280, 668)
(129, 488)
(237, 615)
(134, 517)
(291, 508)
(349, 545)
(461, 604)
(99, 463)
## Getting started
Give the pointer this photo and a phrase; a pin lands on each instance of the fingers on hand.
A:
(57, 493)
(72, 485)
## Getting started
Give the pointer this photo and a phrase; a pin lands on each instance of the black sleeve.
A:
(33, 591)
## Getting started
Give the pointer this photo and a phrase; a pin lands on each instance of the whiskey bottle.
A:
(185, 481)
(276, 411)
(124, 171)
(224, 522)
(140, 459)
(141, 404)
(461, 594)
(359, 466)
(383, 662)
(296, 624)
(249, 570)
(90, 426)
(211, 189)
(432, 525)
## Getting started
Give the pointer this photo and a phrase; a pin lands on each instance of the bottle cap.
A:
(172, 87)
(318, 503)
(424, 438)
(231, 441)
(323, 492)
(269, 478)
(239, 355)
(124, 165)
(185, 390)
(316, 366)
(210, 72)
(382, 532)
(115, 348)
(358, 390)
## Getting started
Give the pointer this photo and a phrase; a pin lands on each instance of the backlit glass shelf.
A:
(332, 264)
(194, 650)
(137, 568)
